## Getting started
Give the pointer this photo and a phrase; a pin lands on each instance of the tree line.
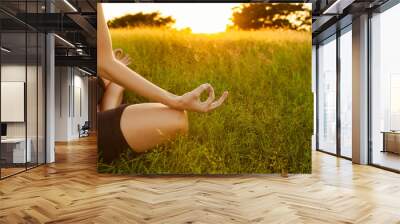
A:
(248, 16)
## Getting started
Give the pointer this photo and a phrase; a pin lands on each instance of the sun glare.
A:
(199, 17)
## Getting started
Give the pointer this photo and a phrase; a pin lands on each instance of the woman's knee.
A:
(178, 118)
(147, 125)
(183, 122)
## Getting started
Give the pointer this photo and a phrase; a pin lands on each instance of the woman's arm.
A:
(115, 71)
(110, 68)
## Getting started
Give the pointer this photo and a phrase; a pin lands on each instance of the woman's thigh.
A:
(149, 124)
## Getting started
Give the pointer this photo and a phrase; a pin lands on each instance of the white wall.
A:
(71, 87)
(13, 101)
(34, 125)
(11, 73)
(80, 109)
(61, 115)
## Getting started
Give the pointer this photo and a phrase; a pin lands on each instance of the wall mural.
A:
(204, 88)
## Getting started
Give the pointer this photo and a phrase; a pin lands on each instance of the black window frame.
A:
(333, 37)
(29, 30)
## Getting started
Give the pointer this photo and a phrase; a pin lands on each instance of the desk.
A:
(13, 150)
(391, 141)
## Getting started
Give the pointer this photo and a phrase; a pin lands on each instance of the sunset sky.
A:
(200, 17)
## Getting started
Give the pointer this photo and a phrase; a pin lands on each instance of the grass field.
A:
(265, 126)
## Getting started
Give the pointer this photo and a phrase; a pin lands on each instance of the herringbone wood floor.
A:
(71, 191)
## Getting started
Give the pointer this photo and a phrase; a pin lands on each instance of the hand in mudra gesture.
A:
(191, 100)
(122, 57)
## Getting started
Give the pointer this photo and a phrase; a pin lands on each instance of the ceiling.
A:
(331, 15)
(74, 22)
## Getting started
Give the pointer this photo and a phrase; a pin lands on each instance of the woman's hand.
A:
(122, 57)
(191, 100)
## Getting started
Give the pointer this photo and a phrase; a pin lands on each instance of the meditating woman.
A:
(138, 126)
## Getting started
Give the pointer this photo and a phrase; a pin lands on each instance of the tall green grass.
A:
(265, 126)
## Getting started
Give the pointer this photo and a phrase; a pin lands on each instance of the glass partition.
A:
(13, 94)
(22, 90)
(346, 93)
(385, 89)
(327, 96)
(31, 100)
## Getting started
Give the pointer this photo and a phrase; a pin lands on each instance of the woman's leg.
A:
(113, 94)
(149, 124)
(112, 97)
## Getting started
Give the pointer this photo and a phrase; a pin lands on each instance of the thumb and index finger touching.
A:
(210, 103)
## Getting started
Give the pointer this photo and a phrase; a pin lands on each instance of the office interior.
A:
(356, 81)
(48, 92)
(48, 73)
(48, 76)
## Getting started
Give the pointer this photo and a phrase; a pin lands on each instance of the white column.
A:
(50, 98)
(360, 90)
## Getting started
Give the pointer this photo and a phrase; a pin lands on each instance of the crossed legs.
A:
(149, 124)
(145, 125)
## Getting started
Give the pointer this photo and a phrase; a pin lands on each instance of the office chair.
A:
(84, 130)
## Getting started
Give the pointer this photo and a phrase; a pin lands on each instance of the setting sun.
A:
(199, 17)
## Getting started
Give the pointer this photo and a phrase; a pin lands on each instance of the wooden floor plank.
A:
(71, 191)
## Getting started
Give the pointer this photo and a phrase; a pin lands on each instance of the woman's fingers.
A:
(118, 53)
(126, 60)
(218, 103)
(200, 89)
(211, 95)
(209, 104)
(120, 56)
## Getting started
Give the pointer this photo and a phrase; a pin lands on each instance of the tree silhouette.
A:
(252, 16)
(141, 19)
